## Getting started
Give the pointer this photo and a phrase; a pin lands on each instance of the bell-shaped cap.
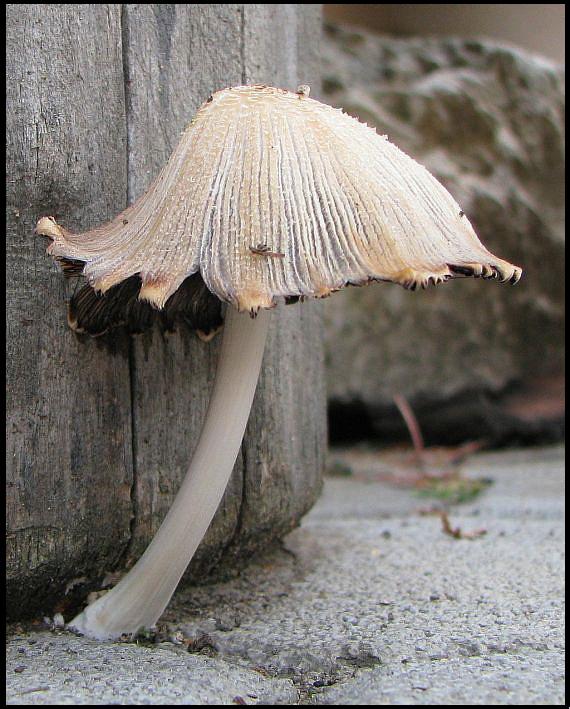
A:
(272, 194)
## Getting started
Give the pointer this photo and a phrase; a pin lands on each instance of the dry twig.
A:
(456, 532)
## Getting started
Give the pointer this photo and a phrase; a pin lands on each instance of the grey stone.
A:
(488, 121)
(63, 669)
(494, 637)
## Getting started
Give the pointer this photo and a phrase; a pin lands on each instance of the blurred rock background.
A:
(476, 360)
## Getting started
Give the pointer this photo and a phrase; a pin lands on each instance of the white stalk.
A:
(140, 598)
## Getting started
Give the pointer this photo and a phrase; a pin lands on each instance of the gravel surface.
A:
(369, 602)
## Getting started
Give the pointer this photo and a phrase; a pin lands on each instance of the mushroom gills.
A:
(95, 313)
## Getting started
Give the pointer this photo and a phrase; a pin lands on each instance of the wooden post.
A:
(99, 439)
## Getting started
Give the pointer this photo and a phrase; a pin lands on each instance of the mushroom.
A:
(268, 195)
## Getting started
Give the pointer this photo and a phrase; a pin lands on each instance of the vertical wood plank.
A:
(99, 437)
(277, 477)
(176, 55)
(69, 467)
(285, 440)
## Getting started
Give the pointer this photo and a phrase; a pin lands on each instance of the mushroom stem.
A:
(141, 596)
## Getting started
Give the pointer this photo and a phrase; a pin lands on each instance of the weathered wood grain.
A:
(278, 475)
(100, 435)
(69, 465)
(283, 448)
(176, 55)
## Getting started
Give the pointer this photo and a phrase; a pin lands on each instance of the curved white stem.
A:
(140, 598)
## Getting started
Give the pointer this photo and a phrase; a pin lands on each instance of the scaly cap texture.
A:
(272, 194)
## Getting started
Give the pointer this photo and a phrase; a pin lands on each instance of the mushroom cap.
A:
(272, 194)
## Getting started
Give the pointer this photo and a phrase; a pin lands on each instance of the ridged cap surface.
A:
(272, 194)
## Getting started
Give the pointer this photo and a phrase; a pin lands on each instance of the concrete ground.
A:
(369, 602)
